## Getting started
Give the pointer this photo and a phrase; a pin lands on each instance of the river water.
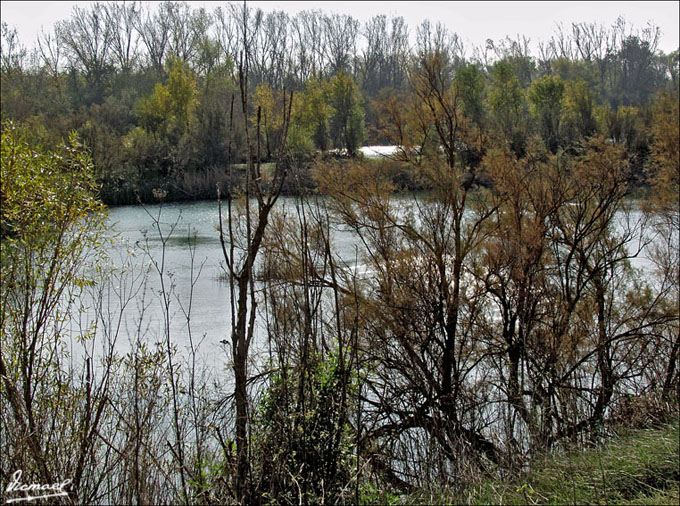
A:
(156, 237)
(200, 280)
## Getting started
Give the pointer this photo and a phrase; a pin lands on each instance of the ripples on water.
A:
(184, 226)
(137, 241)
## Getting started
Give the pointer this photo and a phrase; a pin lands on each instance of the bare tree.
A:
(421, 334)
(50, 49)
(251, 223)
(123, 18)
(87, 37)
(154, 30)
(227, 32)
(308, 30)
(340, 38)
(13, 53)
(439, 40)
(186, 29)
(275, 30)
(384, 58)
(398, 51)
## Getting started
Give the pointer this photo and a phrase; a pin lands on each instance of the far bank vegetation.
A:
(497, 318)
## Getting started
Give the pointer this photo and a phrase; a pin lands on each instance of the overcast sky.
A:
(474, 22)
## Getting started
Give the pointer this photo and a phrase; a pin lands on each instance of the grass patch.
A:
(635, 467)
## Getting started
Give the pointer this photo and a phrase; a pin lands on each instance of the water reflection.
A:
(181, 241)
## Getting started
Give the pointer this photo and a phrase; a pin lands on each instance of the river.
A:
(200, 280)
(184, 227)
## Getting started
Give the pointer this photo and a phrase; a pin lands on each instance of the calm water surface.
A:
(185, 224)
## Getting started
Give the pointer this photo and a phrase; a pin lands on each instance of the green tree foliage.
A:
(300, 140)
(546, 96)
(270, 115)
(213, 142)
(97, 72)
(638, 73)
(168, 115)
(50, 225)
(43, 194)
(508, 106)
(579, 121)
(469, 81)
(312, 113)
(670, 63)
(168, 110)
(181, 86)
(154, 111)
(623, 125)
(347, 119)
(574, 70)
(299, 425)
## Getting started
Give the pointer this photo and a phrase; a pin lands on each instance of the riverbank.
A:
(635, 466)
(135, 188)
(202, 185)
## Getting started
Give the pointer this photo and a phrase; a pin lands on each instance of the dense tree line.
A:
(149, 89)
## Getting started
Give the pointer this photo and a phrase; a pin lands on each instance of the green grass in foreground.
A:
(636, 467)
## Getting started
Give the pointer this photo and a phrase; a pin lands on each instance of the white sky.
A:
(474, 22)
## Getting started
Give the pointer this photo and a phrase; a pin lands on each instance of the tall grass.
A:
(636, 466)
